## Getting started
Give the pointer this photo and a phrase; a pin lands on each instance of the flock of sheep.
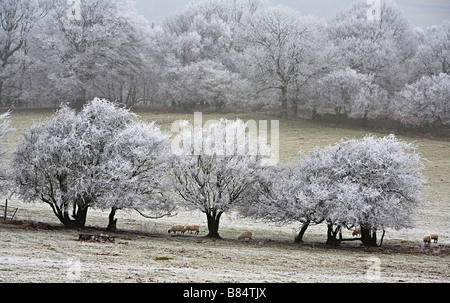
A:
(194, 228)
(246, 235)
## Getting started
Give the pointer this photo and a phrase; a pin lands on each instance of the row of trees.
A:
(224, 54)
(105, 158)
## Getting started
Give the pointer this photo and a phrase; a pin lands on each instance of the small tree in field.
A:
(93, 159)
(217, 169)
(379, 184)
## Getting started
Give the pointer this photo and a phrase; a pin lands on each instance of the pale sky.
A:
(421, 13)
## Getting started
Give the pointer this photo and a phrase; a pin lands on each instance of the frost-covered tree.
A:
(280, 43)
(203, 60)
(209, 30)
(101, 53)
(303, 193)
(75, 162)
(379, 185)
(217, 168)
(372, 46)
(107, 49)
(205, 83)
(207, 38)
(433, 53)
(372, 183)
(351, 94)
(425, 103)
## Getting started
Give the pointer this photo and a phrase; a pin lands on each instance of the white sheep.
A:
(357, 232)
(427, 240)
(245, 235)
(191, 228)
(176, 228)
(434, 237)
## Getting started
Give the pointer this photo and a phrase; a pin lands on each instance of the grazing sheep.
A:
(434, 237)
(427, 240)
(191, 228)
(245, 235)
(357, 232)
(176, 228)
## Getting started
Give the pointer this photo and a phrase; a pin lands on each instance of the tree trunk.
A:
(80, 217)
(80, 209)
(382, 237)
(65, 219)
(213, 223)
(284, 101)
(78, 221)
(1, 93)
(369, 237)
(295, 106)
(79, 214)
(299, 238)
(332, 235)
(112, 225)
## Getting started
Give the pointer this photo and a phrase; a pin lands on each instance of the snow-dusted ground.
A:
(150, 255)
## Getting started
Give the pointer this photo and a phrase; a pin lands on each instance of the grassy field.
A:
(143, 252)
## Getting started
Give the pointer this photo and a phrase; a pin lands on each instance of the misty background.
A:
(422, 13)
(294, 58)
